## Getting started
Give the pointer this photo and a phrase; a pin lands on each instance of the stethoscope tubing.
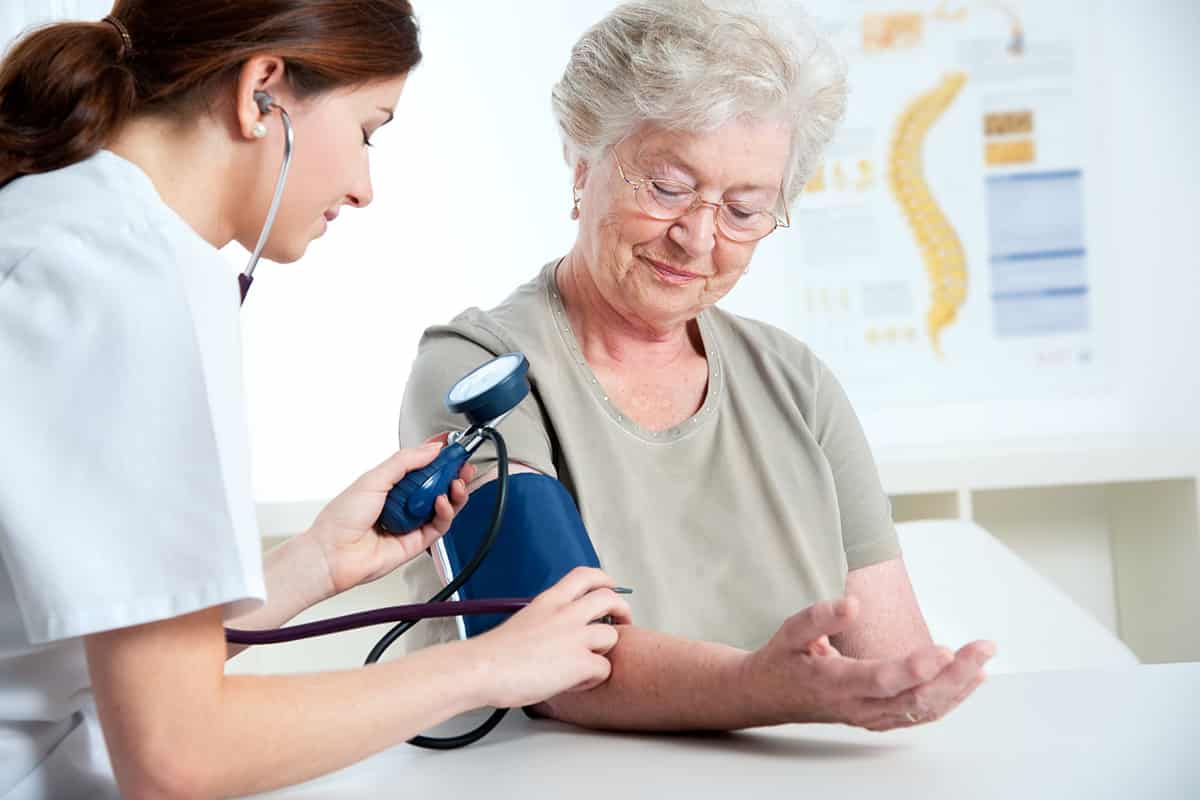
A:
(289, 145)
(406, 613)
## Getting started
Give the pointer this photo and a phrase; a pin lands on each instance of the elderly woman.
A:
(715, 460)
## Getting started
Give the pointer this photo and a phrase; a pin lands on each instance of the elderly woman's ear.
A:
(580, 180)
(581, 172)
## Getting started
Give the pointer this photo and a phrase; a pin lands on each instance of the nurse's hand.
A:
(554, 644)
(799, 676)
(355, 551)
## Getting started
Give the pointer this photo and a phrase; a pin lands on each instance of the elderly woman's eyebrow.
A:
(669, 158)
(663, 157)
(766, 188)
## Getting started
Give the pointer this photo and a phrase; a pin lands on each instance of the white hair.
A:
(696, 65)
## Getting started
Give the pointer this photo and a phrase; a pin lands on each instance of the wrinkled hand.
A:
(355, 550)
(800, 677)
(553, 645)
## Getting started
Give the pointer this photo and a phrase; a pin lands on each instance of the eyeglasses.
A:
(666, 199)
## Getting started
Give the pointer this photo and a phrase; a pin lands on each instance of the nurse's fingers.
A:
(576, 584)
(446, 508)
(467, 473)
(399, 464)
(601, 603)
(443, 516)
(601, 669)
(602, 638)
(458, 493)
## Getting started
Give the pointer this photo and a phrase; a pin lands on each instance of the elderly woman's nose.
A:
(696, 231)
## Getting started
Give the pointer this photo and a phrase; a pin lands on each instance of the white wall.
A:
(1150, 128)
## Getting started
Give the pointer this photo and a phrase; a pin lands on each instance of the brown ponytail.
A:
(66, 89)
(62, 94)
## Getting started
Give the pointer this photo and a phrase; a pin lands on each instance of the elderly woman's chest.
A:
(656, 399)
(710, 473)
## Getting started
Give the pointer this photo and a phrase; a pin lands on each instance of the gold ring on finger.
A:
(911, 717)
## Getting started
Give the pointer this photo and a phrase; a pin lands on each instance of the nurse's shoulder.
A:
(91, 236)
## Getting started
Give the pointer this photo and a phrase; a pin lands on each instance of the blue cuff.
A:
(541, 539)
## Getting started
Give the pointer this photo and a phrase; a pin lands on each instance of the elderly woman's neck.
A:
(607, 335)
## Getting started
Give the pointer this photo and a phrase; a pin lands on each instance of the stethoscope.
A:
(265, 103)
(485, 396)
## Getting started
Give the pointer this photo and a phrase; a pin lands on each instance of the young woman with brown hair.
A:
(131, 149)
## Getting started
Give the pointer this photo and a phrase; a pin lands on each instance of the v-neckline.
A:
(584, 370)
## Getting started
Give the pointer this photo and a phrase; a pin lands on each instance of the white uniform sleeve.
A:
(114, 509)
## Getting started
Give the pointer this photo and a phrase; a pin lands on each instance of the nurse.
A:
(131, 149)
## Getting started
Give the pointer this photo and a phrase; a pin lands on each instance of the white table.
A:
(1130, 733)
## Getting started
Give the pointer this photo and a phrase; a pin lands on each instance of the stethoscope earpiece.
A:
(264, 101)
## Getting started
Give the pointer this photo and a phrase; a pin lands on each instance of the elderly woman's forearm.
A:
(664, 683)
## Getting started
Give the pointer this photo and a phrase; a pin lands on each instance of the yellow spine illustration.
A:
(941, 249)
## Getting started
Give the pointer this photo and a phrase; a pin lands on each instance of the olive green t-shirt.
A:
(749, 511)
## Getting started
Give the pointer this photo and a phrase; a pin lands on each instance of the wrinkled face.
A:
(658, 273)
(329, 168)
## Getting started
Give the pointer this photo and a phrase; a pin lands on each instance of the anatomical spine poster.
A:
(940, 250)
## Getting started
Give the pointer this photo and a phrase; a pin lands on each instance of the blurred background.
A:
(1035, 385)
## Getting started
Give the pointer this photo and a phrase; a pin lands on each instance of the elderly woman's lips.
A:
(670, 274)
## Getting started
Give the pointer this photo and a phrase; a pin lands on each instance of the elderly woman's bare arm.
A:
(890, 624)
(665, 683)
(662, 683)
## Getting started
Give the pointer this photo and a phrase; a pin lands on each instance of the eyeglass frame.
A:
(639, 180)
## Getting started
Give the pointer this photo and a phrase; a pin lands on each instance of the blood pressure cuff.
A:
(541, 539)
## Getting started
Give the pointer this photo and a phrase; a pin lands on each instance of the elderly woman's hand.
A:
(800, 677)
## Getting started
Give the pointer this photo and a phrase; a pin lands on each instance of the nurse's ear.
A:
(258, 75)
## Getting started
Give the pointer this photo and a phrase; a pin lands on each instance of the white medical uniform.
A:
(124, 466)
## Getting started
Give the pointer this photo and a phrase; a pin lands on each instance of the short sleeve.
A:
(113, 503)
(447, 353)
(868, 534)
